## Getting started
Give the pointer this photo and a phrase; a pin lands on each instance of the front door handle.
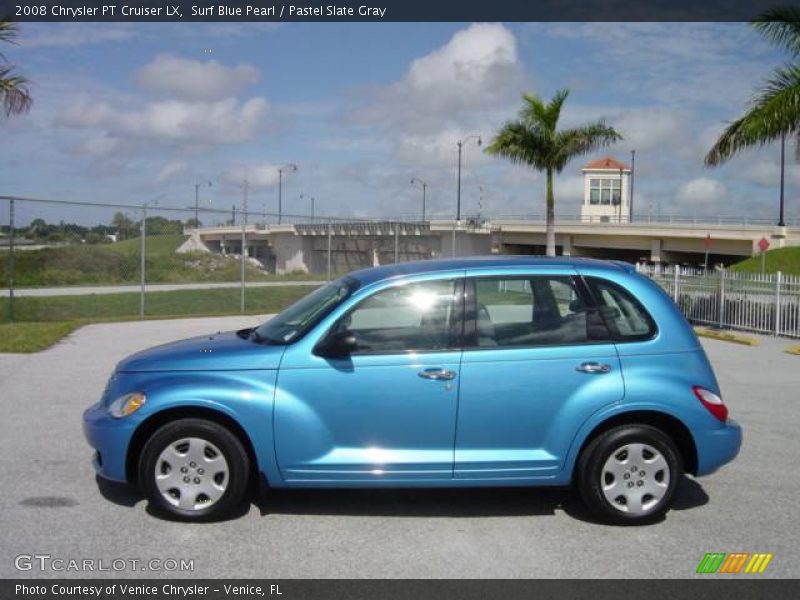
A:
(437, 374)
(592, 367)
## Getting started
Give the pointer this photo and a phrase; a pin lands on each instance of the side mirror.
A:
(337, 345)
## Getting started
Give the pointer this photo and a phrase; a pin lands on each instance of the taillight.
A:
(712, 402)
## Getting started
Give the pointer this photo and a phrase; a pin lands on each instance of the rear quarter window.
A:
(626, 317)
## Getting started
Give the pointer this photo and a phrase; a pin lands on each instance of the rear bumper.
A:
(110, 438)
(717, 447)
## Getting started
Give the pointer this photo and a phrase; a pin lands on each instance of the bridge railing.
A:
(761, 303)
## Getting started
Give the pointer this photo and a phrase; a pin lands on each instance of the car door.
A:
(537, 363)
(386, 411)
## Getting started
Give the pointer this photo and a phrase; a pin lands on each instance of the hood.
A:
(219, 352)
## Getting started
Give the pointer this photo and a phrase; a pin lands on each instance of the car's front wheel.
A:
(629, 474)
(194, 469)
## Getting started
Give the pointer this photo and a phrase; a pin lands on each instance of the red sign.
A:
(763, 244)
(708, 241)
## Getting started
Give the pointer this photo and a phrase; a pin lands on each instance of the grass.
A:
(119, 263)
(34, 337)
(42, 321)
(785, 260)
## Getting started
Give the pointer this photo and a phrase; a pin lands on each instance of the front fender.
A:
(246, 397)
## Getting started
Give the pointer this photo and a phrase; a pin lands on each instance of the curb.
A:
(793, 349)
(727, 336)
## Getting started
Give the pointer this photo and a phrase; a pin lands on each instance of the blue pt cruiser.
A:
(512, 371)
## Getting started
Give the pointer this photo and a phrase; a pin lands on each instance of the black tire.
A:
(590, 478)
(219, 437)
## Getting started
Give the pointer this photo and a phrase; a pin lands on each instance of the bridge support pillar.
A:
(655, 251)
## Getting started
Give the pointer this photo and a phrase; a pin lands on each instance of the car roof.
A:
(420, 267)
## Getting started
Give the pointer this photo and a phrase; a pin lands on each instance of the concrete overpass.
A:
(348, 245)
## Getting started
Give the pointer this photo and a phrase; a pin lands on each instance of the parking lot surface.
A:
(52, 504)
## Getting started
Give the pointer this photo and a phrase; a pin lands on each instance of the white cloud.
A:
(700, 191)
(475, 70)
(257, 175)
(40, 35)
(173, 121)
(99, 146)
(170, 170)
(439, 149)
(195, 80)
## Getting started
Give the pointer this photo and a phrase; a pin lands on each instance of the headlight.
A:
(126, 405)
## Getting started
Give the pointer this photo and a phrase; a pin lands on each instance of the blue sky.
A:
(124, 113)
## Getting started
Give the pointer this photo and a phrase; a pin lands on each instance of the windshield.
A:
(294, 322)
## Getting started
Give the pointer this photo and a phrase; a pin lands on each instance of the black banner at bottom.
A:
(391, 589)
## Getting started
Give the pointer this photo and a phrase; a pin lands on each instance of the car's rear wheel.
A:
(629, 474)
(194, 469)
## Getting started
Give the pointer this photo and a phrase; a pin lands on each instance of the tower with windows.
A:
(606, 191)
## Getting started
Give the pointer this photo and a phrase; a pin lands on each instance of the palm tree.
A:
(534, 139)
(774, 110)
(14, 94)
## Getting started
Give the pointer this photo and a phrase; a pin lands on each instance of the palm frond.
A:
(775, 111)
(781, 26)
(583, 140)
(15, 96)
(521, 144)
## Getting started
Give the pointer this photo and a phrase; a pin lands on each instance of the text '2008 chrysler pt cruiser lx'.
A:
(512, 371)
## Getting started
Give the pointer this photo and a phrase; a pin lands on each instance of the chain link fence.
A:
(761, 303)
(86, 261)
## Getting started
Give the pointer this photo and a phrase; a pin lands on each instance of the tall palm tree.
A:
(534, 139)
(774, 110)
(15, 96)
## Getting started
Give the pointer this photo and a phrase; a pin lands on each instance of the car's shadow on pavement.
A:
(454, 502)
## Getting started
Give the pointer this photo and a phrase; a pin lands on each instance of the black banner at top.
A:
(386, 10)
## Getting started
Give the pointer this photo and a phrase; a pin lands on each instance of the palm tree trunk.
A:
(550, 225)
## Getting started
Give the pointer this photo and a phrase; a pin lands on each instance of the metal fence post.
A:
(142, 248)
(11, 266)
(675, 284)
(722, 297)
(778, 279)
(330, 241)
(242, 263)
(396, 243)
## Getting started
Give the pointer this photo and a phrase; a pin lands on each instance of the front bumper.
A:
(717, 447)
(110, 438)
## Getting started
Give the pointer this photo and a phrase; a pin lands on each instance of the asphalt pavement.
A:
(52, 504)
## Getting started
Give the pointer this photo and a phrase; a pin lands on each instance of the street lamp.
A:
(781, 222)
(292, 168)
(302, 196)
(460, 144)
(424, 192)
(197, 202)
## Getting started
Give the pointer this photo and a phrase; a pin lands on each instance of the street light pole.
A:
(306, 196)
(197, 202)
(460, 144)
(292, 168)
(781, 222)
(424, 192)
(633, 165)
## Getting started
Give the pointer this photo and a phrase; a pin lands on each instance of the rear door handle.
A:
(437, 374)
(592, 367)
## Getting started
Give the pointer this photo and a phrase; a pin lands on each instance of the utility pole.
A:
(11, 260)
(243, 219)
(197, 202)
(633, 165)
